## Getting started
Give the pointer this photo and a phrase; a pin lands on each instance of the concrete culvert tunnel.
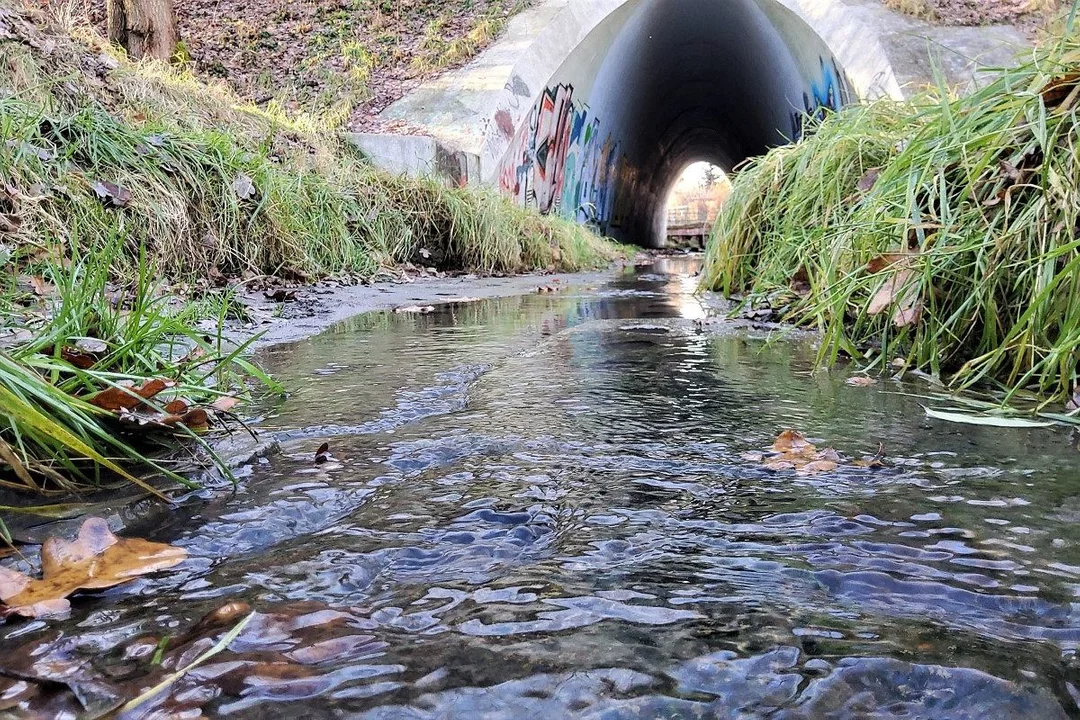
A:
(615, 99)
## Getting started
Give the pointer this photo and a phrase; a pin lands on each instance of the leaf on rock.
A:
(280, 295)
(95, 560)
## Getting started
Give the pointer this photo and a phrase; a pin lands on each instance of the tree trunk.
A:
(145, 28)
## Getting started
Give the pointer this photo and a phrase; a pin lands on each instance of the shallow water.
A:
(541, 507)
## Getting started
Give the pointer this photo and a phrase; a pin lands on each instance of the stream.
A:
(543, 507)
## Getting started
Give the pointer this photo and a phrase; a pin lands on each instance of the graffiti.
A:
(827, 93)
(558, 162)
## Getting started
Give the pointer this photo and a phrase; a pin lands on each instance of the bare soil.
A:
(346, 59)
(1027, 15)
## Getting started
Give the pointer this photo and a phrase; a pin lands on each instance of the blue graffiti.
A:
(827, 93)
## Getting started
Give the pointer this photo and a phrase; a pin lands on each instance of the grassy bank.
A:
(945, 231)
(125, 185)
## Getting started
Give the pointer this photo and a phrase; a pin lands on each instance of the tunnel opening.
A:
(653, 88)
(692, 203)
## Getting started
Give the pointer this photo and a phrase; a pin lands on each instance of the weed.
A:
(945, 231)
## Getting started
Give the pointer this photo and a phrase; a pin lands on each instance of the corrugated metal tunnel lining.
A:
(658, 85)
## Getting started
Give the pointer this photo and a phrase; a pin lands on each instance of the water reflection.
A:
(540, 506)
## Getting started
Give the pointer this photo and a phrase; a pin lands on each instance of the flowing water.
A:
(545, 507)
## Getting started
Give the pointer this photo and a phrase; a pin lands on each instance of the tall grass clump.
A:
(945, 231)
(65, 419)
(124, 185)
(96, 146)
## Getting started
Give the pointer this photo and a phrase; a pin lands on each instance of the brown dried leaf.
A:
(96, 559)
(11, 458)
(10, 223)
(792, 441)
(195, 419)
(908, 312)
(110, 193)
(77, 358)
(1059, 89)
(41, 288)
(225, 403)
(127, 396)
(815, 467)
(886, 260)
(176, 407)
(889, 291)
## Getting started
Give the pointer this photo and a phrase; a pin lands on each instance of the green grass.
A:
(124, 185)
(976, 203)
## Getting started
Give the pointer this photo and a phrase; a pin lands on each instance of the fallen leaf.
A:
(97, 559)
(792, 441)
(861, 381)
(176, 407)
(867, 181)
(817, 466)
(111, 193)
(195, 419)
(12, 460)
(908, 312)
(93, 346)
(792, 451)
(986, 420)
(127, 397)
(243, 186)
(225, 403)
(877, 461)
(41, 288)
(889, 291)
(886, 260)
(1058, 90)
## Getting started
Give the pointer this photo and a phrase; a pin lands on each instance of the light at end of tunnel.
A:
(694, 201)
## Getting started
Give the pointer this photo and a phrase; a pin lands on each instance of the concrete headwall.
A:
(615, 97)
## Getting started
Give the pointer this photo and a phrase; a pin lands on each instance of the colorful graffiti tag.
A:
(828, 92)
(558, 162)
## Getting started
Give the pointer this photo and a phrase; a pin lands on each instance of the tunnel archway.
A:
(618, 96)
